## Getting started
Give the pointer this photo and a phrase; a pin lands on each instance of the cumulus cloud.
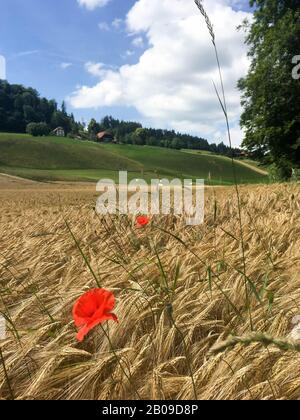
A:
(171, 84)
(93, 4)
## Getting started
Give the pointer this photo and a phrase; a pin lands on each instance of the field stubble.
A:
(151, 273)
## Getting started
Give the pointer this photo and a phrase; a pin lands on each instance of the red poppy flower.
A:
(91, 309)
(142, 221)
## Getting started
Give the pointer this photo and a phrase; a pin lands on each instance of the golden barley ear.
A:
(207, 20)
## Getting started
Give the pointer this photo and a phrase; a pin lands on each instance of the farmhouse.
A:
(105, 137)
(59, 132)
(244, 154)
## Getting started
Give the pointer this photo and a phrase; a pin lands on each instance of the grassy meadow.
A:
(61, 159)
(182, 293)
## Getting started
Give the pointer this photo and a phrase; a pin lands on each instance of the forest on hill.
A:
(23, 109)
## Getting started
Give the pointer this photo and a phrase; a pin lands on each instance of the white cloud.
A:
(171, 84)
(26, 53)
(104, 26)
(65, 66)
(93, 4)
(117, 23)
(2, 68)
(129, 53)
(95, 69)
(138, 42)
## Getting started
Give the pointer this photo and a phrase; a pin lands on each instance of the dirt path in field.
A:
(14, 181)
(254, 168)
(12, 177)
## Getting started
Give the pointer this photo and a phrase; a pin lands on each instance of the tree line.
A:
(134, 133)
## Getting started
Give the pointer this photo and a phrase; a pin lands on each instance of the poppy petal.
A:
(87, 328)
(106, 300)
(82, 333)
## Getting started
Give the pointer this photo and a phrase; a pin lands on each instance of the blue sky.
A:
(45, 34)
(56, 46)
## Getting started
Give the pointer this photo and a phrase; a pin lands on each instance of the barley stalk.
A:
(256, 338)
(223, 104)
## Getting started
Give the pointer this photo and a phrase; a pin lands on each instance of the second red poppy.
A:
(142, 221)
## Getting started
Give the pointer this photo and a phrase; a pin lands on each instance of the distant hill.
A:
(23, 110)
(50, 159)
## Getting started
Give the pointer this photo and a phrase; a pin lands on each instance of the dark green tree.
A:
(64, 108)
(59, 119)
(271, 94)
(38, 129)
(20, 106)
(176, 143)
(94, 128)
(140, 136)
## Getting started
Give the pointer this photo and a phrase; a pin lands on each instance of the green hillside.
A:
(51, 158)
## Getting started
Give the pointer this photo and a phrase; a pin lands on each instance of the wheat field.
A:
(181, 291)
